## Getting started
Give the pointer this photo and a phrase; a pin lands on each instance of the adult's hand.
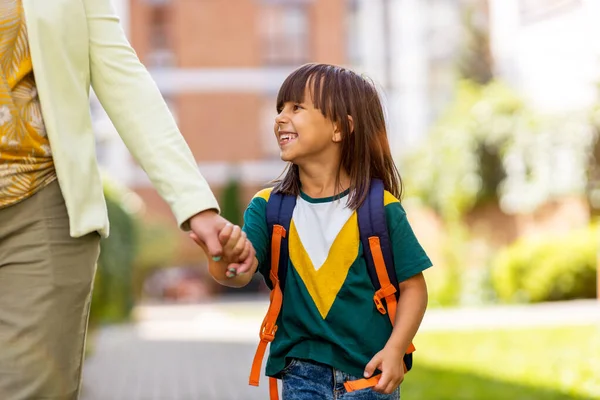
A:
(206, 227)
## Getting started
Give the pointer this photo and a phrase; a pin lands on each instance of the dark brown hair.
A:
(338, 92)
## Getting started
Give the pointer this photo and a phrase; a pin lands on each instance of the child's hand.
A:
(233, 260)
(391, 364)
(236, 249)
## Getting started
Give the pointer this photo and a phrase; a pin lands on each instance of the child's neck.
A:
(320, 181)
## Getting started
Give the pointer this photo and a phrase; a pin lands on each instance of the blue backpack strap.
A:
(280, 208)
(372, 223)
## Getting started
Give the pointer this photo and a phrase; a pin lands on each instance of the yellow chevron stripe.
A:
(324, 284)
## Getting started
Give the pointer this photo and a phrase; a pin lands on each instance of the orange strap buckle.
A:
(381, 294)
(268, 332)
(379, 304)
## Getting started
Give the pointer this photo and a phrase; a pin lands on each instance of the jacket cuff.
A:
(186, 209)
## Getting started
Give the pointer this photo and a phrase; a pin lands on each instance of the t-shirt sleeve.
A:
(409, 256)
(255, 226)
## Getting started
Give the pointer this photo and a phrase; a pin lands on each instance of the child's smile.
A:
(286, 137)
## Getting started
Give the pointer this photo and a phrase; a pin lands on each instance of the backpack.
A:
(380, 265)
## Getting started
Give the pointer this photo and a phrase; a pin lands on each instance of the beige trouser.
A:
(45, 290)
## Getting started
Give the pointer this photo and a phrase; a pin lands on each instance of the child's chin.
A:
(286, 157)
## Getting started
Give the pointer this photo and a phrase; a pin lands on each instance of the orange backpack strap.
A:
(380, 265)
(387, 290)
(273, 393)
(360, 384)
(269, 327)
(279, 212)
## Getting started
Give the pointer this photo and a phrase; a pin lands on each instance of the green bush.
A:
(460, 164)
(157, 248)
(112, 298)
(559, 267)
(490, 146)
(231, 208)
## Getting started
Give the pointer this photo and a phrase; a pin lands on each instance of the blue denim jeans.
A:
(308, 380)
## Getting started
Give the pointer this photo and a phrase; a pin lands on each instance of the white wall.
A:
(554, 61)
(404, 95)
(416, 30)
(409, 59)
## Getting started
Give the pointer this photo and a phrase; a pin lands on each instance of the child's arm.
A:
(409, 315)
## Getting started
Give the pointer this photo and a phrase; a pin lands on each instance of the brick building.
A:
(219, 64)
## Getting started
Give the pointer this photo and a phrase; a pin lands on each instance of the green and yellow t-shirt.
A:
(328, 314)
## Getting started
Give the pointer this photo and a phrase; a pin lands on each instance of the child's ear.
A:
(337, 133)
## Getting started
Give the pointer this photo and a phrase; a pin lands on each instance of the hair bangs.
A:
(320, 81)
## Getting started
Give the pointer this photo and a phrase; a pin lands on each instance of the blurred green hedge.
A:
(558, 267)
(112, 298)
(134, 249)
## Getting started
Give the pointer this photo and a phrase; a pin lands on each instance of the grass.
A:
(558, 363)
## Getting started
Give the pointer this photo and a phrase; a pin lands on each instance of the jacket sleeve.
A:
(137, 109)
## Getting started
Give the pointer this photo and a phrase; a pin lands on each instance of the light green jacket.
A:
(78, 43)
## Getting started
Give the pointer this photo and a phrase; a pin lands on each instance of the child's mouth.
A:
(287, 137)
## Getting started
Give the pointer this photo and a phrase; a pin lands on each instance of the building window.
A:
(160, 53)
(285, 33)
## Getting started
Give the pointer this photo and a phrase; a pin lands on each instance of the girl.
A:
(331, 129)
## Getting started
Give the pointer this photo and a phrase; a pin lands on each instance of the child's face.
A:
(303, 133)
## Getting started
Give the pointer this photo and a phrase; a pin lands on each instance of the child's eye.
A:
(297, 107)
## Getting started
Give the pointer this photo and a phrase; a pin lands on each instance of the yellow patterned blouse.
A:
(26, 163)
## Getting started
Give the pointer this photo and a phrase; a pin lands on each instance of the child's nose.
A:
(280, 118)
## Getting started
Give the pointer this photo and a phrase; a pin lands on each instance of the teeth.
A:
(287, 137)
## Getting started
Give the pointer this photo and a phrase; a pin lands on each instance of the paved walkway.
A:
(127, 366)
(203, 352)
